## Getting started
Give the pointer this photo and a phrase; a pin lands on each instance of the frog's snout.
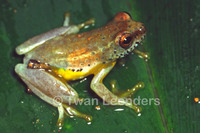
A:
(142, 29)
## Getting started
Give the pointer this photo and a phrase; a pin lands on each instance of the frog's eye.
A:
(122, 16)
(124, 39)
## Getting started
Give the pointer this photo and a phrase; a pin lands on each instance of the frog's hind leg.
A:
(100, 89)
(51, 89)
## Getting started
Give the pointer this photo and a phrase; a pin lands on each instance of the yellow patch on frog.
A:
(69, 74)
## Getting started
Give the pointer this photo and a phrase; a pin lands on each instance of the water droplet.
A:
(119, 109)
(89, 123)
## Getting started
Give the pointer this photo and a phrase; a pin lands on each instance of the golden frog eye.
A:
(125, 40)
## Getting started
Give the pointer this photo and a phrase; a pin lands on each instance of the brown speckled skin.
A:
(88, 49)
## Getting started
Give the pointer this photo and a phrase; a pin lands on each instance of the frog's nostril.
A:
(143, 29)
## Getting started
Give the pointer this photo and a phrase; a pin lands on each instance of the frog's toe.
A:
(127, 93)
(71, 112)
(87, 23)
(136, 108)
(67, 19)
(61, 116)
(114, 86)
(141, 54)
(130, 92)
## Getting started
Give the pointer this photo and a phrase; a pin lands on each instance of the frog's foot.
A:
(141, 54)
(87, 23)
(100, 89)
(82, 25)
(71, 112)
(127, 93)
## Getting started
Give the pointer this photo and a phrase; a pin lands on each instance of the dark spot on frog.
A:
(88, 64)
(79, 70)
(137, 43)
(102, 57)
(115, 52)
(111, 36)
(129, 26)
(104, 62)
(103, 38)
(129, 21)
(93, 53)
(97, 58)
(73, 70)
(75, 58)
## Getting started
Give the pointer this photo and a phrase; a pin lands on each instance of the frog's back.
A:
(75, 51)
(88, 49)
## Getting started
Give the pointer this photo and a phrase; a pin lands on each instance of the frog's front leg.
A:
(100, 89)
(127, 93)
(40, 39)
(51, 89)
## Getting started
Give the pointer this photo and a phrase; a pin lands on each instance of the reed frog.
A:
(61, 55)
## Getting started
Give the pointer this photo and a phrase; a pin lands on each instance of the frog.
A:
(55, 58)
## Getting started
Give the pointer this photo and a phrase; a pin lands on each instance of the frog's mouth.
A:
(135, 44)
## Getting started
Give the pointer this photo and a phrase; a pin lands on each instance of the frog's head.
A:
(128, 34)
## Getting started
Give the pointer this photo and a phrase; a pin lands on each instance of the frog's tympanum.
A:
(59, 56)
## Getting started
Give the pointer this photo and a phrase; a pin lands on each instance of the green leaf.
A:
(172, 73)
